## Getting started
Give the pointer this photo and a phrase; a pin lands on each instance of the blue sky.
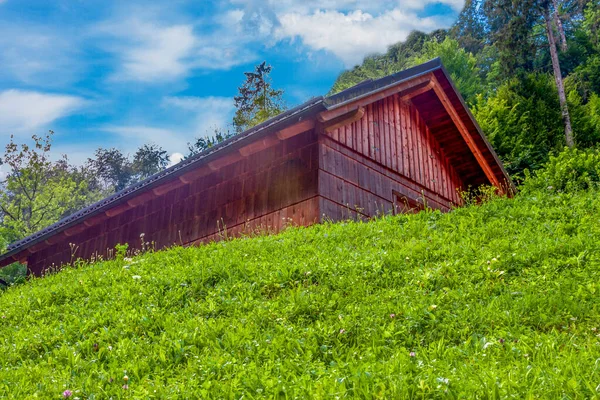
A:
(123, 73)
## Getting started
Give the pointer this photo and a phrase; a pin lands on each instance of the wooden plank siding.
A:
(394, 147)
(356, 186)
(265, 191)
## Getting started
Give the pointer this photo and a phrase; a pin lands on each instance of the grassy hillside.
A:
(495, 301)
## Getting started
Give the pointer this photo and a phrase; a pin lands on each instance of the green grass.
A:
(500, 300)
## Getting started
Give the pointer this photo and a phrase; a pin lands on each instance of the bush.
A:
(570, 170)
(12, 274)
(522, 123)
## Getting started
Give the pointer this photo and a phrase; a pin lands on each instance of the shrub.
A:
(570, 170)
(121, 250)
(13, 274)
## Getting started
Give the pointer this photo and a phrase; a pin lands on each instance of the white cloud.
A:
(175, 158)
(163, 45)
(152, 51)
(457, 5)
(26, 111)
(349, 29)
(309, 6)
(161, 54)
(356, 33)
(148, 51)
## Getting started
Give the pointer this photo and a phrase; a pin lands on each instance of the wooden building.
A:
(388, 145)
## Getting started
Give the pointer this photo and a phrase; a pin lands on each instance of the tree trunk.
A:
(559, 26)
(564, 108)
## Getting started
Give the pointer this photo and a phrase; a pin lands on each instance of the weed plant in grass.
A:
(493, 301)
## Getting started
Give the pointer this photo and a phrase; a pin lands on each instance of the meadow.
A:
(498, 300)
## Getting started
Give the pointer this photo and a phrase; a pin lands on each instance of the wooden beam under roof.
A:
(414, 92)
(345, 119)
(439, 91)
(353, 105)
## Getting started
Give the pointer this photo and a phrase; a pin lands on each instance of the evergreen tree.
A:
(511, 25)
(470, 29)
(461, 65)
(257, 100)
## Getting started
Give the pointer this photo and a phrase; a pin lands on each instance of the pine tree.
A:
(257, 100)
(514, 24)
(511, 24)
(470, 29)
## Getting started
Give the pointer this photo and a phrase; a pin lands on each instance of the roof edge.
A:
(488, 145)
(368, 88)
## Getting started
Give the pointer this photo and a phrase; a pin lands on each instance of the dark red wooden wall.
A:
(266, 190)
(389, 151)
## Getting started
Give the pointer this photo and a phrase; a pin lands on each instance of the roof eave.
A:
(506, 177)
(383, 84)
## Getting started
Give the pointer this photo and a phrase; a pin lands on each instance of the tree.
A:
(398, 57)
(559, 25)
(149, 160)
(558, 78)
(112, 169)
(515, 24)
(591, 23)
(461, 65)
(521, 119)
(511, 24)
(469, 28)
(257, 100)
(38, 191)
